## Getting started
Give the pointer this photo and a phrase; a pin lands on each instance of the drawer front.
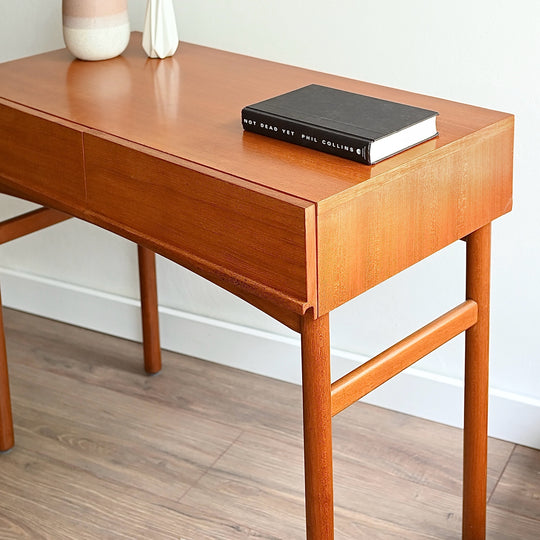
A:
(41, 156)
(249, 236)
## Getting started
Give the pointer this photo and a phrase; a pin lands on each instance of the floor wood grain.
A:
(202, 451)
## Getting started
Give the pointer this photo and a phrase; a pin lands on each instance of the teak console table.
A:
(154, 151)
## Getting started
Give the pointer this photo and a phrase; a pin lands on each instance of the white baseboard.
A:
(513, 417)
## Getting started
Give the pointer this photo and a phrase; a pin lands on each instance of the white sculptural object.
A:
(160, 36)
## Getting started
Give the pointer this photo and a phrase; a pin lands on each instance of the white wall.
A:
(485, 52)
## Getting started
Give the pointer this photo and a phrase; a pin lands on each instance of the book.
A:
(353, 126)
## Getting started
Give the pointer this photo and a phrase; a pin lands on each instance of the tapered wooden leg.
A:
(317, 428)
(149, 310)
(476, 387)
(6, 420)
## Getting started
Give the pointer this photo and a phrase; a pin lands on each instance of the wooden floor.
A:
(202, 451)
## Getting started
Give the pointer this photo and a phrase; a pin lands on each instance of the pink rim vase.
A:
(95, 29)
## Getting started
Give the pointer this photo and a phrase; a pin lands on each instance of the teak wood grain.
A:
(41, 153)
(368, 222)
(382, 226)
(154, 151)
(230, 226)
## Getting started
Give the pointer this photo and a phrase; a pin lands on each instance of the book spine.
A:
(284, 129)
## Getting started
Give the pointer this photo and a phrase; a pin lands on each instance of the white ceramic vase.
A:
(160, 36)
(95, 29)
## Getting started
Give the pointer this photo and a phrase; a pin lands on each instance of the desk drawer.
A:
(41, 156)
(243, 233)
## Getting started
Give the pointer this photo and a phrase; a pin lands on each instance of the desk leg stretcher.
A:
(323, 399)
(41, 218)
(12, 229)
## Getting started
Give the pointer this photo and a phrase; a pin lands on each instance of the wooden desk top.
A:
(155, 151)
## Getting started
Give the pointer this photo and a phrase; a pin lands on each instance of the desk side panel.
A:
(41, 155)
(231, 234)
(386, 224)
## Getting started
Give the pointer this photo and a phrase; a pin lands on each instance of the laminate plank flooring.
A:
(202, 451)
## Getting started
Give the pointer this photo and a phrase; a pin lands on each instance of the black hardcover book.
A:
(349, 125)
